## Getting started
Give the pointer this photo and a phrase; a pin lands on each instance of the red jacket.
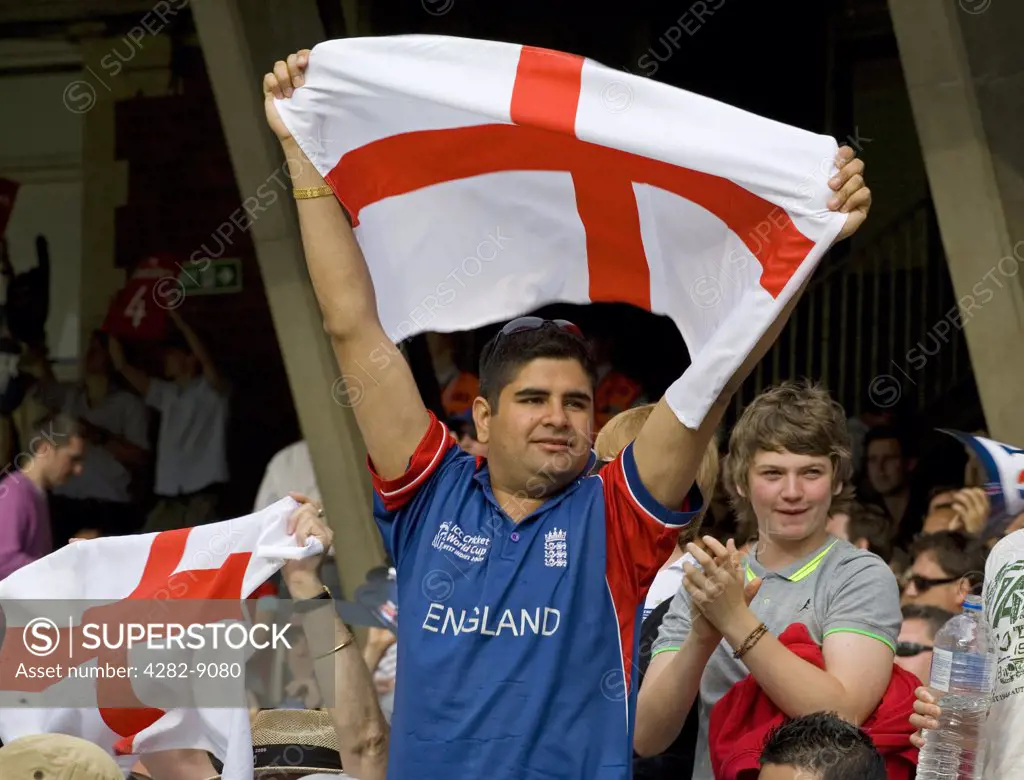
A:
(741, 719)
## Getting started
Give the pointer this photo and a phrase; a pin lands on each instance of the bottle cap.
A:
(973, 602)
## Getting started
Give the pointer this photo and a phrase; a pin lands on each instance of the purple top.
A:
(25, 532)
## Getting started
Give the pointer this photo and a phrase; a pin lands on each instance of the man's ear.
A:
(482, 418)
(837, 488)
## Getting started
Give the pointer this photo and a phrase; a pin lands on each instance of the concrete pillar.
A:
(112, 69)
(965, 74)
(241, 41)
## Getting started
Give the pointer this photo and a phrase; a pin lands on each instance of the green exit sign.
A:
(212, 277)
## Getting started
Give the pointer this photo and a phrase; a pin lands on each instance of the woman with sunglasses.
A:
(519, 577)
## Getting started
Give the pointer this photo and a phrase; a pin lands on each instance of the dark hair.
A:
(884, 433)
(956, 553)
(935, 617)
(824, 744)
(504, 356)
(871, 523)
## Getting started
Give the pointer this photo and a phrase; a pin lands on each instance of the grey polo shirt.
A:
(836, 588)
(191, 451)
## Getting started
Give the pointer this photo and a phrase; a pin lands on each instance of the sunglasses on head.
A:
(524, 324)
(910, 649)
(921, 584)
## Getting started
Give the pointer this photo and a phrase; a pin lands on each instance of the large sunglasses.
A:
(910, 649)
(921, 584)
(524, 324)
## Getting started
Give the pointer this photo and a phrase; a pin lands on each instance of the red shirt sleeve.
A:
(394, 494)
(640, 532)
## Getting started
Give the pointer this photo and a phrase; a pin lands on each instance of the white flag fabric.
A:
(226, 560)
(1003, 465)
(487, 179)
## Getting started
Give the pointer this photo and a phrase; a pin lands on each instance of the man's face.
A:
(916, 631)
(539, 440)
(886, 469)
(791, 494)
(62, 463)
(786, 772)
(948, 596)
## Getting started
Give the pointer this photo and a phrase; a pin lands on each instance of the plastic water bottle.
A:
(961, 675)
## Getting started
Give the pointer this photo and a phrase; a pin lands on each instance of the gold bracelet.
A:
(301, 193)
(343, 645)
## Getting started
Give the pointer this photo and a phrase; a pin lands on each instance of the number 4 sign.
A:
(139, 311)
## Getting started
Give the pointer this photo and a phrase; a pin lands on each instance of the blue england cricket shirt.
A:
(516, 642)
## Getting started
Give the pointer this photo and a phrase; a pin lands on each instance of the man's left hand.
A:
(852, 195)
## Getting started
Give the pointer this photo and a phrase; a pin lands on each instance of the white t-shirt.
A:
(191, 451)
(667, 583)
(1004, 610)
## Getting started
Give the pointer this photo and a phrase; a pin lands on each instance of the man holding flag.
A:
(519, 577)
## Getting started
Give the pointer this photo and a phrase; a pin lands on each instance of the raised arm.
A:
(202, 354)
(138, 378)
(338, 663)
(380, 386)
(667, 452)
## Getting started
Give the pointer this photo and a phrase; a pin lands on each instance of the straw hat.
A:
(56, 757)
(294, 742)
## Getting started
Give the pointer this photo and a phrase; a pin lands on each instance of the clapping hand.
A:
(718, 590)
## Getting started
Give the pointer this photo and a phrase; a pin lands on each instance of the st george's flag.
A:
(1003, 466)
(206, 566)
(487, 179)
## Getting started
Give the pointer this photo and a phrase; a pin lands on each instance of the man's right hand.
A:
(926, 715)
(287, 76)
(702, 628)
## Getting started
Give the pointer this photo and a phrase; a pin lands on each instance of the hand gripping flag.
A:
(221, 561)
(1004, 478)
(487, 179)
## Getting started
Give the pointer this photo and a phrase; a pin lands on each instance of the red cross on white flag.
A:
(487, 179)
(191, 569)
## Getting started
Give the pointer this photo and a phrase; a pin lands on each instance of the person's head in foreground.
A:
(921, 623)
(57, 448)
(288, 744)
(535, 412)
(789, 461)
(56, 757)
(946, 566)
(624, 427)
(820, 747)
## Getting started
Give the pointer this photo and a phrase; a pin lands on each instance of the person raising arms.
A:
(509, 568)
